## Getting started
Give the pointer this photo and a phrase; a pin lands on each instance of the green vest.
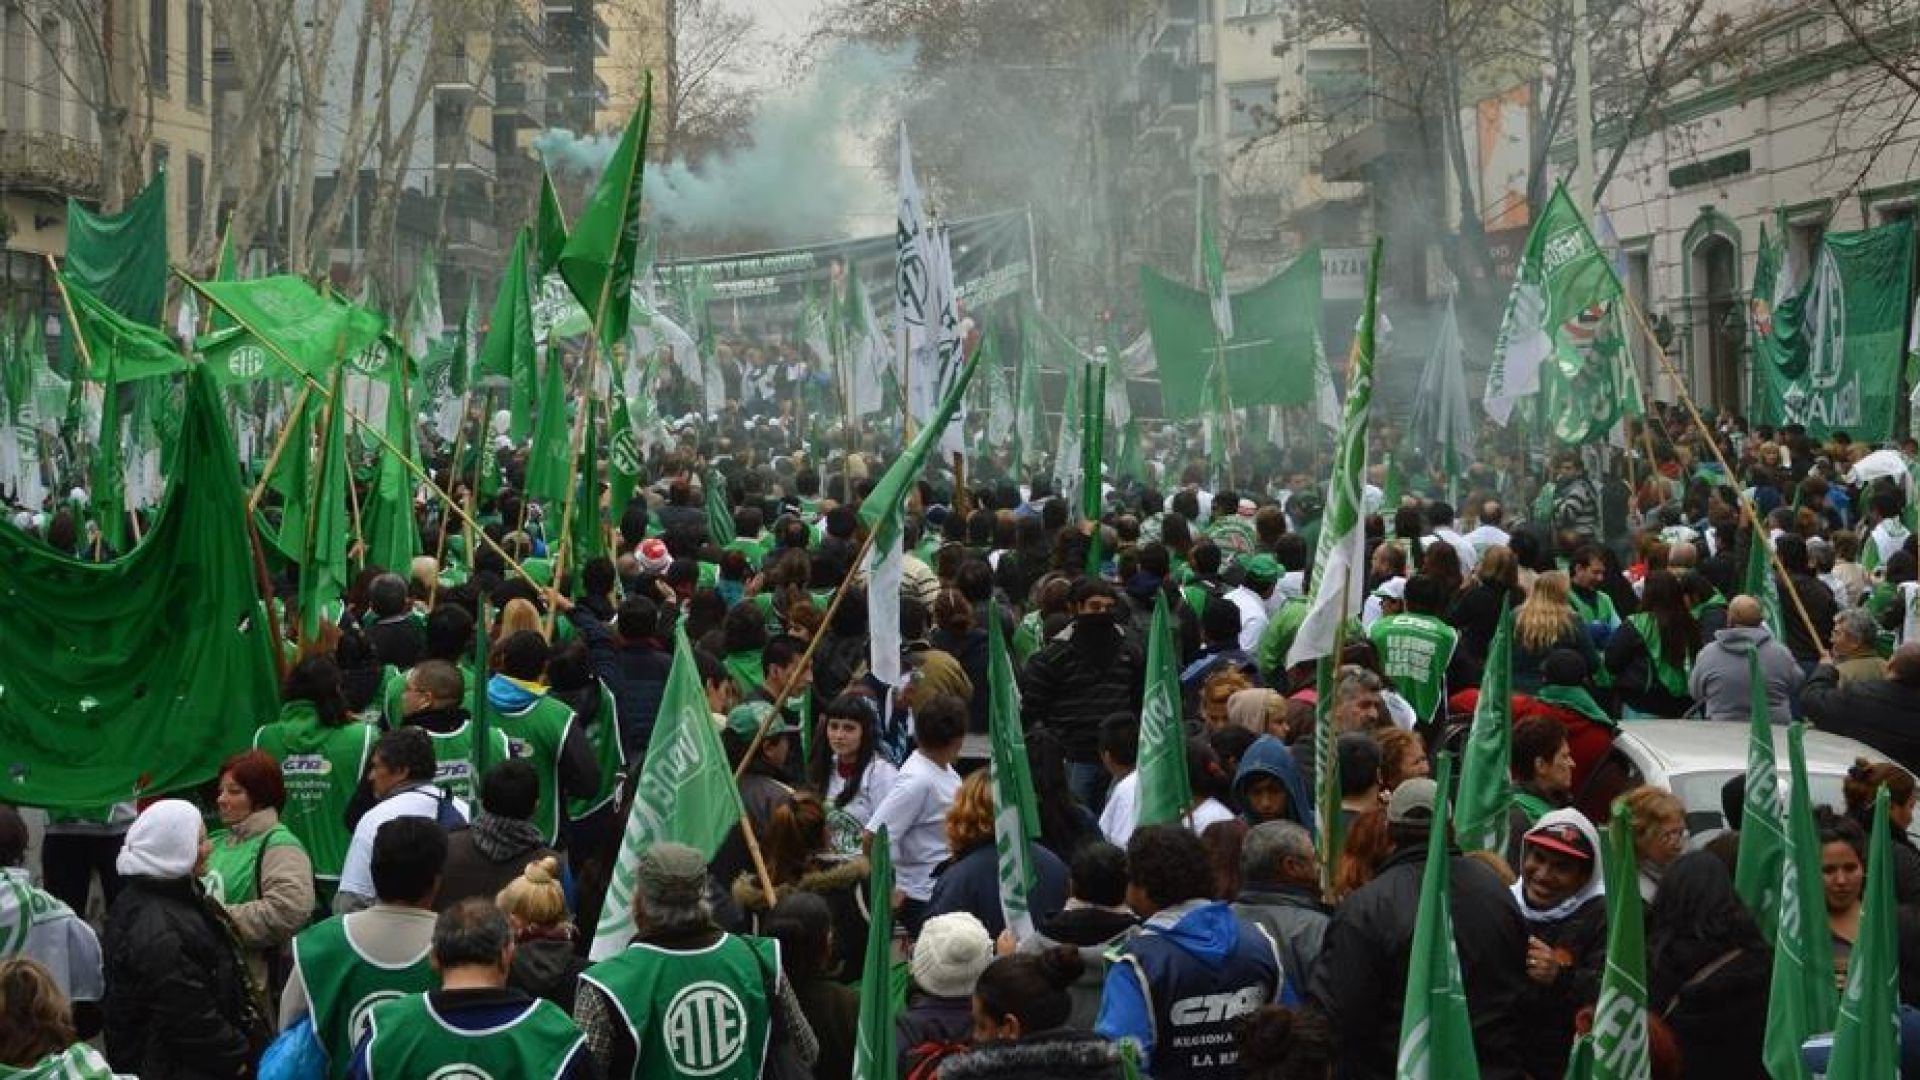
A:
(537, 733)
(233, 866)
(1026, 636)
(343, 986)
(754, 549)
(1414, 652)
(604, 735)
(453, 768)
(407, 1038)
(700, 1015)
(322, 766)
(1670, 678)
(1600, 611)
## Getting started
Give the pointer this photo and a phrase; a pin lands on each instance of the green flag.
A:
(588, 539)
(1016, 814)
(880, 510)
(1763, 840)
(875, 1056)
(686, 793)
(549, 227)
(122, 258)
(1800, 1001)
(292, 478)
(1275, 327)
(624, 458)
(1166, 791)
(112, 345)
(1866, 1039)
(1093, 427)
(508, 351)
(293, 323)
(1620, 1048)
(323, 563)
(720, 529)
(1485, 777)
(597, 261)
(1436, 1031)
(1214, 275)
(109, 477)
(393, 533)
(551, 455)
(1758, 581)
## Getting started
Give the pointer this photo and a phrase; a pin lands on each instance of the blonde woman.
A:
(1659, 833)
(1547, 623)
(545, 963)
(519, 614)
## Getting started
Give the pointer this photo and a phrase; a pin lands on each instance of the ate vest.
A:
(1197, 1002)
(233, 866)
(321, 766)
(453, 769)
(407, 1038)
(537, 733)
(343, 987)
(700, 1014)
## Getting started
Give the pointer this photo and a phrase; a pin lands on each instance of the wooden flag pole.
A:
(279, 447)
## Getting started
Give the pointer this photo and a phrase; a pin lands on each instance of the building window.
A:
(52, 44)
(158, 17)
(196, 194)
(1888, 213)
(196, 52)
(1249, 108)
(13, 66)
(160, 155)
(1639, 285)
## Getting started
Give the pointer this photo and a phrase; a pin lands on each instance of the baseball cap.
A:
(1412, 801)
(746, 719)
(1564, 837)
(1394, 588)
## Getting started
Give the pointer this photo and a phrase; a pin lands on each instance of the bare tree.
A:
(102, 59)
(250, 143)
(709, 54)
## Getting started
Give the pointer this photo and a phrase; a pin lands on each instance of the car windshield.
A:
(1700, 793)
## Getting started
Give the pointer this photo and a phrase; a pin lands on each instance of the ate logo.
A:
(705, 1028)
(371, 360)
(247, 361)
(623, 451)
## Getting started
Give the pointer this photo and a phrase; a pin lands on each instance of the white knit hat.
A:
(950, 954)
(163, 842)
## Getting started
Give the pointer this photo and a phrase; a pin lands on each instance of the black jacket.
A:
(1070, 689)
(635, 673)
(1360, 980)
(1721, 1020)
(1818, 600)
(970, 649)
(970, 881)
(1635, 678)
(548, 967)
(1043, 1055)
(1883, 714)
(401, 642)
(1546, 1013)
(177, 1001)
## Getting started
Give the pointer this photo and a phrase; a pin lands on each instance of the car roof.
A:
(1679, 747)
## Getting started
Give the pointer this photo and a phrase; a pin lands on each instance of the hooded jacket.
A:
(842, 884)
(1269, 756)
(179, 1002)
(1208, 941)
(1576, 930)
(1720, 679)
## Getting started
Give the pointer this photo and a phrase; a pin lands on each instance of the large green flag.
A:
(685, 793)
(1016, 814)
(508, 351)
(875, 1056)
(597, 261)
(1436, 1030)
(111, 345)
(1563, 274)
(323, 565)
(720, 528)
(1763, 839)
(1213, 273)
(1274, 328)
(549, 227)
(1866, 1039)
(1485, 776)
(291, 322)
(393, 533)
(1166, 791)
(1758, 581)
(551, 455)
(880, 510)
(1620, 1048)
(1830, 356)
(109, 692)
(122, 258)
(1800, 1000)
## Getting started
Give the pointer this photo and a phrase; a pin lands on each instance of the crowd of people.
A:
(388, 885)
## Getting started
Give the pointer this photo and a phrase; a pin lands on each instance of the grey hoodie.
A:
(1720, 674)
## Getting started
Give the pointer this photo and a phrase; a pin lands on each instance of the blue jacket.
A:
(1193, 946)
(970, 882)
(1269, 756)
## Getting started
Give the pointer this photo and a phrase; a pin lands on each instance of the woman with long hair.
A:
(1863, 783)
(1368, 843)
(1476, 611)
(1708, 970)
(804, 926)
(846, 767)
(800, 860)
(1843, 878)
(36, 1026)
(1652, 653)
(1544, 623)
(954, 633)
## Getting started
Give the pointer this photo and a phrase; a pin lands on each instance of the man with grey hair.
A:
(474, 1021)
(1855, 655)
(1280, 890)
(687, 999)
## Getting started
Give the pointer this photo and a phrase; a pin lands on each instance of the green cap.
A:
(1262, 568)
(746, 719)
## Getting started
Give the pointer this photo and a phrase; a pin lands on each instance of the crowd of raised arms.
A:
(420, 891)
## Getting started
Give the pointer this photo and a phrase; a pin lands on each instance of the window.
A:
(1640, 290)
(159, 159)
(53, 45)
(196, 194)
(1888, 213)
(1249, 108)
(158, 16)
(196, 52)
(1339, 92)
(13, 66)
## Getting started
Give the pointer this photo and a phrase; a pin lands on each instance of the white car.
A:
(1695, 758)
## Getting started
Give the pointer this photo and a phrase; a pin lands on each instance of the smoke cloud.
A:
(793, 179)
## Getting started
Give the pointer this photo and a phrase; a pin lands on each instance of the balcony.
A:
(50, 164)
(1352, 159)
(520, 104)
(463, 77)
(471, 233)
(602, 35)
(460, 153)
